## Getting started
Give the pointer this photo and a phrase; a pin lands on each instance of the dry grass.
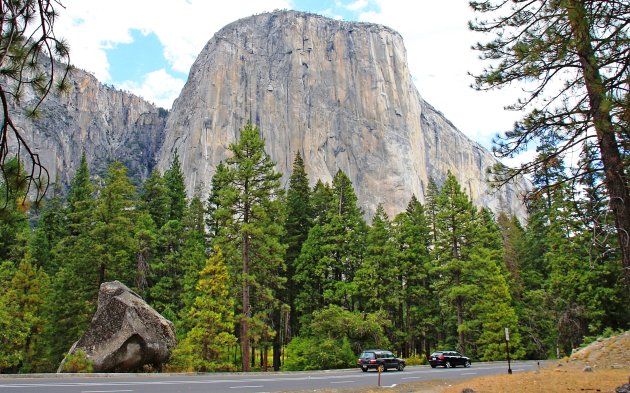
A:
(547, 381)
(609, 360)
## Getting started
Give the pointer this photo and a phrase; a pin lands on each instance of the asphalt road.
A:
(245, 382)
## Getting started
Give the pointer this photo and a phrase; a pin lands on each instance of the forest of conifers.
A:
(256, 271)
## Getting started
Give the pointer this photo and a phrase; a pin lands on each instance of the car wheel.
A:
(448, 365)
(364, 369)
(401, 366)
(433, 366)
(467, 363)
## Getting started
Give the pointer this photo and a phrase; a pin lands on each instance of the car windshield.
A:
(436, 353)
(367, 355)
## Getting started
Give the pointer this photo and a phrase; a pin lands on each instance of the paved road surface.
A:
(246, 383)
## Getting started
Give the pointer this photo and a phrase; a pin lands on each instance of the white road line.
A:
(246, 387)
(412, 378)
(104, 391)
(343, 382)
(469, 373)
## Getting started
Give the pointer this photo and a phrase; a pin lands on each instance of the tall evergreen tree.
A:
(378, 272)
(419, 307)
(156, 199)
(204, 347)
(219, 180)
(454, 241)
(176, 190)
(112, 234)
(193, 256)
(51, 227)
(297, 225)
(251, 208)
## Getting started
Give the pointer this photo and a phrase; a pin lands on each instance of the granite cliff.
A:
(338, 92)
(105, 123)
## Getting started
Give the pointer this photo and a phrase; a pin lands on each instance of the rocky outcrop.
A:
(125, 332)
(105, 123)
(341, 94)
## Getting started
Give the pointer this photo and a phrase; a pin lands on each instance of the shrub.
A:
(310, 353)
(416, 360)
(78, 363)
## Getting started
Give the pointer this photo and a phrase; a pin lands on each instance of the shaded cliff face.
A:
(107, 124)
(341, 94)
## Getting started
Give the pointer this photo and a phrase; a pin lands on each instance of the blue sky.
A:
(148, 49)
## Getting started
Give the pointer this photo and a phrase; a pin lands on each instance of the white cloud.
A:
(357, 5)
(182, 26)
(160, 86)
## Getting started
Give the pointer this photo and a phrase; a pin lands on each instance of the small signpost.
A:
(507, 349)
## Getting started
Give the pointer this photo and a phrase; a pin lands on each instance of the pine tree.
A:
(219, 180)
(378, 272)
(419, 306)
(155, 198)
(74, 288)
(176, 190)
(146, 236)
(344, 232)
(21, 322)
(454, 239)
(493, 311)
(193, 257)
(212, 321)
(51, 228)
(579, 72)
(297, 226)
(112, 234)
(251, 208)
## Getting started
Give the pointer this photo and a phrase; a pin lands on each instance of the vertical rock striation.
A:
(105, 123)
(338, 92)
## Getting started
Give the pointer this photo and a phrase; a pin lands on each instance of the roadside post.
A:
(379, 368)
(507, 349)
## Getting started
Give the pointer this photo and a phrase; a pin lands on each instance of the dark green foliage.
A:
(316, 353)
(297, 226)
(112, 233)
(175, 189)
(251, 212)
(155, 198)
(205, 345)
(572, 55)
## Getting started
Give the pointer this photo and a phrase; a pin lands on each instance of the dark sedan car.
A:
(379, 359)
(448, 359)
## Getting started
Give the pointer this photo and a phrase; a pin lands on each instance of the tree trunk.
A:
(459, 306)
(615, 177)
(246, 306)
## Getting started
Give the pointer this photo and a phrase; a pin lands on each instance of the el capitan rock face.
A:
(338, 92)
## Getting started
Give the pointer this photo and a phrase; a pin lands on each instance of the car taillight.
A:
(441, 357)
(372, 361)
